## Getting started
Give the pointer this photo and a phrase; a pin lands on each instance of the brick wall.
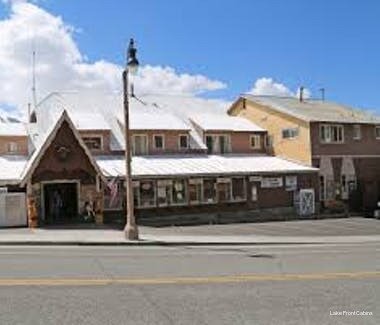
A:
(367, 145)
(20, 141)
(171, 141)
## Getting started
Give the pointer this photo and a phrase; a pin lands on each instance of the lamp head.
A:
(132, 62)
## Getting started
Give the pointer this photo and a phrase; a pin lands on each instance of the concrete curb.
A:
(174, 243)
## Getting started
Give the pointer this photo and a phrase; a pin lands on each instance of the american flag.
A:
(114, 189)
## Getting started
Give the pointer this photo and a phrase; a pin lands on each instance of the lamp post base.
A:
(131, 232)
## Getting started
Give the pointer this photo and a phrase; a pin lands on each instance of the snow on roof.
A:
(89, 121)
(214, 122)
(11, 168)
(12, 129)
(199, 165)
(315, 110)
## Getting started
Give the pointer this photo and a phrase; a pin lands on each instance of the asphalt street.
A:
(190, 285)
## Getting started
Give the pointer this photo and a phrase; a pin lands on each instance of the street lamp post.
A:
(131, 230)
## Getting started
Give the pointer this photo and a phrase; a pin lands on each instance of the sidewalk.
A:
(150, 236)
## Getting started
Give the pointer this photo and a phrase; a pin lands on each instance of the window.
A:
(238, 189)
(164, 192)
(147, 195)
(331, 133)
(218, 143)
(255, 141)
(290, 133)
(195, 190)
(268, 141)
(224, 189)
(209, 191)
(356, 132)
(140, 145)
(179, 193)
(183, 141)
(12, 147)
(158, 142)
(377, 132)
(93, 143)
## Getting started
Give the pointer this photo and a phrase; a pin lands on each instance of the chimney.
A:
(301, 94)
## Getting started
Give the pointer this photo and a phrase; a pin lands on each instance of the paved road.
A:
(322, 227)
(189, 285)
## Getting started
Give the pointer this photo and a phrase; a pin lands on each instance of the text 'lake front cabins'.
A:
(203, 166)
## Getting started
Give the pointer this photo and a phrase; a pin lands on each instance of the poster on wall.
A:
(271, 182)
(290, 183)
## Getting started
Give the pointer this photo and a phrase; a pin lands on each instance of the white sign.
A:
(291, 183)
(270, 182)
(255, 178)
(223, 180)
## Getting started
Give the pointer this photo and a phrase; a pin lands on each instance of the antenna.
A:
(322, 90)
(34, 94)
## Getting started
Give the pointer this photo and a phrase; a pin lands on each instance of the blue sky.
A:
(331, 44)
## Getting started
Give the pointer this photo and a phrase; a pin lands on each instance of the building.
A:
(69, 160)
(344, 143)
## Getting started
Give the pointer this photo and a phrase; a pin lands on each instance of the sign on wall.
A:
(271, 182)
(255, 179)
(291, 183)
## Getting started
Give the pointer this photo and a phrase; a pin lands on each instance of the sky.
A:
(212, 48)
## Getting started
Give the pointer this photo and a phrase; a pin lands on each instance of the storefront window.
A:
(238, 189)
(164, 191)
(224, 189)
(147, 194)
(195, 190)
(179, 193)
(209, 191)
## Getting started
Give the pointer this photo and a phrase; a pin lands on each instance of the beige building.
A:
(343, 142)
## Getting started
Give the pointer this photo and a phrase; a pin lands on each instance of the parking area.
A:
(324, 227)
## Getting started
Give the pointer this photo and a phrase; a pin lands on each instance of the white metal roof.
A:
(89, 121)
(193, 165)
(315, 110)
(12, 129)
(214, 122)
(11, 168)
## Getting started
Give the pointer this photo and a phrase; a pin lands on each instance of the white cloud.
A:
(61, 66)
(268, 87)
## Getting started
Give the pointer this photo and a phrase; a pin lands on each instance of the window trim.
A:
(255, 136)
(294, 131)
(133, 143)
(358, 127)
(376, 128)
(195, 181)
(187, 141)
(9, 145)
(244, 186)
(213, 136)
(163, 141)
(89, 136)
(330, 126)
